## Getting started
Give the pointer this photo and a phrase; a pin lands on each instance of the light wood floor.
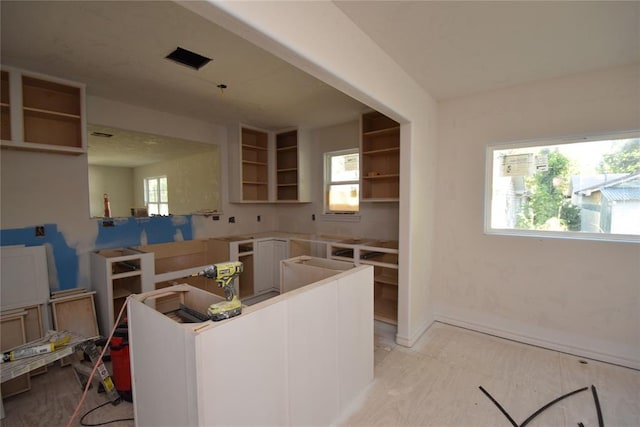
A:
(435, 383)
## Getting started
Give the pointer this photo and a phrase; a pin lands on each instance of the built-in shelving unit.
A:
(269, 167)
(287, 166)
(380, 158)
(42, 113)
(255, 165)
(5, 107)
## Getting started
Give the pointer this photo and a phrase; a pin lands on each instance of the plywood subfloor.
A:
(435, 383)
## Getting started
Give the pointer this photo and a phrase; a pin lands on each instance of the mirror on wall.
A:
(143, 174)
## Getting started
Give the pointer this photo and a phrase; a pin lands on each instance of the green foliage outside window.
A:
(546, 206)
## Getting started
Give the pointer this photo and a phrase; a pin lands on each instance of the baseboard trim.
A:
(410, 341)
(540, 342)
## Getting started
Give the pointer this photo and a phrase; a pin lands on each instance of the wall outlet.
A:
(258, 218)
(40, 231)
(313, 217)
(108, 223)
(215, 218)
(232, 219)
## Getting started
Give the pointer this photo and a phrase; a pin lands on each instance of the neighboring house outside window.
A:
(156, 195)
(342, 181)
(586, 189)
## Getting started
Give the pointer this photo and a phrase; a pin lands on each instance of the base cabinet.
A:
(116, 274)
(262, 358)
(383, 256)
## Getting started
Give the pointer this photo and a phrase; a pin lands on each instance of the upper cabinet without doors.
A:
(268, 167)
(42, 113)
(379, 157)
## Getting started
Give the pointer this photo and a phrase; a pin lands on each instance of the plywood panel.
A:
(77, 314)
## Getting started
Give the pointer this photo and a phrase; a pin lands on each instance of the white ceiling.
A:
(450, 48)
(458, 48)
(118, 50)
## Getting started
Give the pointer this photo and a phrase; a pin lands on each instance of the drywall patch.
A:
(130, 231)
(179, 220)
(63, 263)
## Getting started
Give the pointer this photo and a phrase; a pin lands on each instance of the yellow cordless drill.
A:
(224, 273)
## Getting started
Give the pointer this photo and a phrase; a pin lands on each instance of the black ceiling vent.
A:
(188, 58)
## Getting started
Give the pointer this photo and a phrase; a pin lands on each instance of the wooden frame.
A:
(14, 335)
(76, 313)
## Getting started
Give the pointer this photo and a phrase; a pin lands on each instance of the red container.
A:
(119, 349)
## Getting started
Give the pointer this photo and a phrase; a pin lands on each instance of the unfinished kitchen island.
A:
(301, 358)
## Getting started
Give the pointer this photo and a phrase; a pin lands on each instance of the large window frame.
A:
(492, 173)
(330, 183)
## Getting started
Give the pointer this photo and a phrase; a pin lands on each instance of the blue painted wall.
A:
(119, 232)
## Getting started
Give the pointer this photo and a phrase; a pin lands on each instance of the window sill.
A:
(571, 235)
(336, 217)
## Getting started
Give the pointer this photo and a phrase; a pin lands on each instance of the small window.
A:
(156, 195)
(342, 181)
(583, 187)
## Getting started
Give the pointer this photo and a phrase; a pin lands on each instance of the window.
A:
(156, 195)
(342, 185)
(583, 187)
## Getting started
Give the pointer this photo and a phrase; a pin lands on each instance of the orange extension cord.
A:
(95, 367)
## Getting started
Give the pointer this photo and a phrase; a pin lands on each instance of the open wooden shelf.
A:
(51, 113)
(255, 165)
(5, 106)
(49, 117)
(287, 166)
(380, 158)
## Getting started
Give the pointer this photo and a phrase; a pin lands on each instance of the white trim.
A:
(560, 140)
(541, 342)
(417, 333)
(340, 217)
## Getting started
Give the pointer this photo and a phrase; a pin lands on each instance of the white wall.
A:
(194, 182)
(117, 183)
(575, 295)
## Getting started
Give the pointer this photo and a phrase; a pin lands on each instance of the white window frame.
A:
(146, 194)
(577, 235)
(335, 214)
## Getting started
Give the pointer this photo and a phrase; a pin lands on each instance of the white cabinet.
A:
(25, 279)
(263, 358)
(383, 256)
(42, 113)
(269, 167)
(116, 274)
(269, 253)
